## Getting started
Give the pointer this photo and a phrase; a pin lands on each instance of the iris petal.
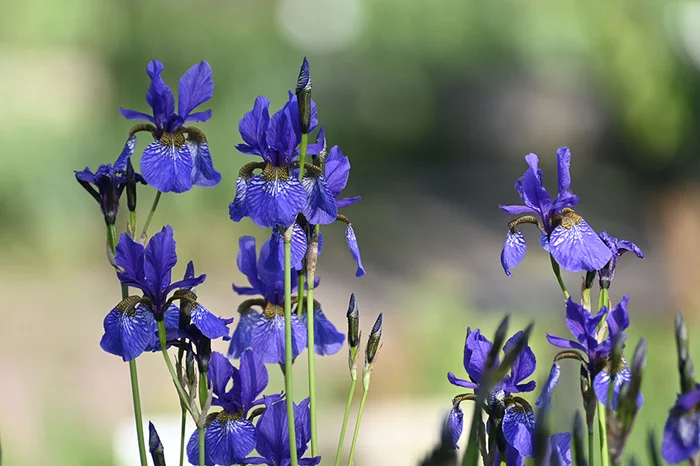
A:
(513, 251)
(267, 338)
(243, 334)
(203, 171)
(519, 428)
(211, 326)
(681, 437)
(126, 154)
(455, 424)
(524, 365)
(351, 239)
(127, 334)
(543, 402)
(327, 339)
(476, 350)
(320, 208)
(238, 208)
(253, 128)
(337, 171)
(168, 168)
(578, 248)
(276, 202)
(454, 380)
(196, 86)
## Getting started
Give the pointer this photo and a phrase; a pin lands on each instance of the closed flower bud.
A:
(353, 315)
(373, 342)
(155, 446)
(685, 365)
(303, 92)
(190, 376)
(130, 186)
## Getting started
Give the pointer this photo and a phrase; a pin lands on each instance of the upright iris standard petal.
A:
(196, 87)
(321, 208)
(130, 259)
(159, 96)
(267, 338)
(476, 350)
(532, 192)
(619, 319)
(127, 334)
(337, 171)
(203, 171)
(577, 248)
(254, 378)
(160, 257)
(563, 167)
(243, 335)
(351, 239)
(281, 138)
(274, 202)
(455, 424)
(543, 402)
(525, 363)
(519, 429)
(211, 326)
(327, 339)
(238, 209)
(167, 166)
(253, 128)
(247, 264)
(220, 373)
(513, 250)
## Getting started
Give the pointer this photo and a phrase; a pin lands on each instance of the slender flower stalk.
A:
(365, 390)
(603, 434)
(346, 416)
(557, 273)
(353, 316)
(181, 391)
(311, 257)
(150, 215)
(289, 386)
(183, 410)
(200, 435)
(133, 373)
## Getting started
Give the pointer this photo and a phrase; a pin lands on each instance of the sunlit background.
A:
(435, 102)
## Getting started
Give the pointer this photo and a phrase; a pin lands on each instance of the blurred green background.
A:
(435, 103)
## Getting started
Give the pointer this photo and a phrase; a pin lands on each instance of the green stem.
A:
(591, 446)
(359, 420)
(301, 281)
(557, 273)
(132, 222)
(203, 389)
(171, 369)
(200, 434)
(348, 405)
(587, 299)
(310, 274)
(183, 410)
(302, 153)
(603, 433)
(133, 373)
(150, 214)
(289, 386)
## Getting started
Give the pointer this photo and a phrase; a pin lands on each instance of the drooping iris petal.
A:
(196, 86)
(160, 258)
(517, 209)
(525, 363)
(302, 423)
(519, 428)
(267, 338)
(242, 336)
(476, 350)
(127, 334)
(134, 115)
(272, 442)
(454, 380)
(226, 440)
(254, 377)
(601, 384)
(203, 171)
(327, 339)
(211, 326)
(560, 445)
(337, 171)
(320, 208)
(351, 239)
(275, 202)
(347, 201)
(564, 343)
(238, 209)
(275, 260)
(543, 402)
(513, 250)
(126, 154)
(219, 373)
(544, 242)
(455, 424)
(253, 128)
(513, 457)
(578, 248)
(130, 259)
(247, 264)
(168, 168)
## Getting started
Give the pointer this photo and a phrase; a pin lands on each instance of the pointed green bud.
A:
(190, 376)
(588, 281)
(353, 316)
(303, 92)
(155, 446)
(373, 342)
(685, 364)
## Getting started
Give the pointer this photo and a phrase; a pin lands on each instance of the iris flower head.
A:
(563, 232)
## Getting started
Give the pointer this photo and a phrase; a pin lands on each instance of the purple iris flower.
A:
(558, 452)
(273, 439)
(130, 326)
(231, 436)
(518, 419)
(263, 332)
(584, 326)
(564, 233)
(107, 184)
(179, 157)
(617, 247)
(275, 196)
(682, 429)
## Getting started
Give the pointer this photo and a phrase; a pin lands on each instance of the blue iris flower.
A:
(558, 452)
(584, 326)
(107, 184)
(618, 247)
(273, 439)
(518, 421)
(230, 435)
(682, 430)
(275, 196)
(130, 328)
(179, 157)
(564, 233)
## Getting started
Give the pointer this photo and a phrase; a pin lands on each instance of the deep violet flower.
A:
(518, 419)
(682, 429)
(564, 233)
(617, 247)
(179, 156)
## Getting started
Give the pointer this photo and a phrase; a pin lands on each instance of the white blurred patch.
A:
(688, 21)
(126, 451)
(321, 25)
